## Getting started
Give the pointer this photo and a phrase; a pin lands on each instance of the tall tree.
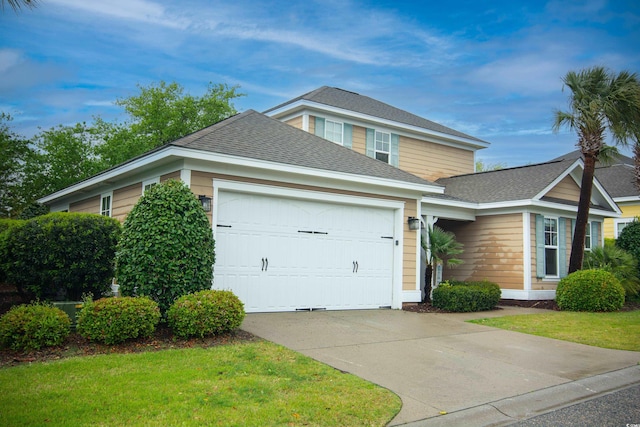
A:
(14, 150)
(600, 101)
(16, 5)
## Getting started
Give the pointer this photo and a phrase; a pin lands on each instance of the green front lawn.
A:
(618, 330)
(251, 384)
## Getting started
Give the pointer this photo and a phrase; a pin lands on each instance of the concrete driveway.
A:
(438, 363)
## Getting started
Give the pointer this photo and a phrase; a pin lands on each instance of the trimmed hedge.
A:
(33, 326)
(167, 247)
(5, 229)
(115, 320)
(62, 255)
(590, 290)
(466, 296)
(205, 313)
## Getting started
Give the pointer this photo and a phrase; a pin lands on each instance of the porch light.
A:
(206, 202)
(414, 223)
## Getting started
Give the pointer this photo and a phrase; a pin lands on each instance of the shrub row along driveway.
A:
(437, 362)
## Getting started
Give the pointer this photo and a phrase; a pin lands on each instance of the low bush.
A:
(33, 326)
(114, 320)
(466, 296)
(617, 261)
(590, 290)
(205, 313)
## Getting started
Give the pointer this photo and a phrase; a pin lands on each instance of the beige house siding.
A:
(296, 122)
(173, 175)
(567, 189)
(90, 205)
(359, 139)
(493, 250)
(433, 161)
(124, 199)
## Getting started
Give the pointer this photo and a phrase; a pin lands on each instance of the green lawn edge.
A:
(616, 330)
(245, 384)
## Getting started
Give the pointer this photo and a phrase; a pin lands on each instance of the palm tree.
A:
(600, 101)
(17, 4)
(442, 248)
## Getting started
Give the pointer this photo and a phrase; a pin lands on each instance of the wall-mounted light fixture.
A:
(414, 223)
(205, 201)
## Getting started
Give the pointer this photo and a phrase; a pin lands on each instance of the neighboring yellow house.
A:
(618, 179)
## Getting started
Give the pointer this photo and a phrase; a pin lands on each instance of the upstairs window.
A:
(382, 147)
(149, 183)
(333, 131)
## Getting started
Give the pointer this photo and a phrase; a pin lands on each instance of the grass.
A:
(617, 330)
(252, 384)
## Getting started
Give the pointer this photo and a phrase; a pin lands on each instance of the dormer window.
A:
(333, 131)
(383, 144)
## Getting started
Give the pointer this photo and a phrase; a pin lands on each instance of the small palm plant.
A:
(442, 248)
(618, 262)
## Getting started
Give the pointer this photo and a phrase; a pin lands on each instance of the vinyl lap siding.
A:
(629, 211)
(492, 250)
(90, 205)
(173, 175)
(124, 199)
(567, 189)
(433, 161)
(296, 122)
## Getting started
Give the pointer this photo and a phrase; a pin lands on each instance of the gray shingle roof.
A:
(256, 136)
(618, 178)
(504, 185)
(352, 101)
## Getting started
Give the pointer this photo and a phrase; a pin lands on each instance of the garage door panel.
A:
(312, 249)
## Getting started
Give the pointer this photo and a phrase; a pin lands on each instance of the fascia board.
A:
(303, 104)
(627, 199)
(110, 174)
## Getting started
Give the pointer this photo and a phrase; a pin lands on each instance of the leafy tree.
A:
(600, 101)
(481, 166)
(63, 156)
(167, 247)
(629, 240)
(442, 248)
(14, 150)
(163, 113)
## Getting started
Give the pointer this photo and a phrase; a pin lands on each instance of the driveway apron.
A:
(436, 362)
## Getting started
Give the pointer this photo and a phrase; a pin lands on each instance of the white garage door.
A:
(280, 254)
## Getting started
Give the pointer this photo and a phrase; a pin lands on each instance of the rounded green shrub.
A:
(115, 320)
(590, 290)
(629, 240)
(205, 313)
(33, 326)
(62, 255)
(167, 247)
(466, 296)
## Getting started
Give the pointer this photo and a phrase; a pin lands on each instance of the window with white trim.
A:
(333, 131)
(619, 225)
(551, 246)
(382, 146)
(150, 183)
(105, 204)
(587, 237)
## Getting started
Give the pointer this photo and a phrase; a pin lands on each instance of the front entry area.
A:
(287, 254)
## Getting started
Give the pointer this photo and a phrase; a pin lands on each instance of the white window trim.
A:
(109, 211)
(149, 182)
(556, 247)
(588, 234)
(326, 122)
(375, 145)
(617, 221)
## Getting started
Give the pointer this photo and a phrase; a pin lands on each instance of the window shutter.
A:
(347, 137)
(562, 247)
(595, 234)
(393, 155)
(540, 273)
(320, 127)
(370, 143)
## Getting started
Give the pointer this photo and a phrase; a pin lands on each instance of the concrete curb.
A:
(512, 409)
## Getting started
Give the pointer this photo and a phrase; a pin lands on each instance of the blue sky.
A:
(490, 69)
